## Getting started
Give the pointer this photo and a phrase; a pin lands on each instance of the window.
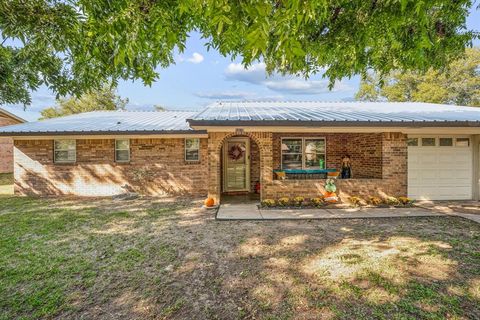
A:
(122, 150)
(65, 151)
(428, 142)
(463, 142)
(314, 153)
(192, 149)
(292, 154)
(412, 142)
(303, 153)
(445, 142)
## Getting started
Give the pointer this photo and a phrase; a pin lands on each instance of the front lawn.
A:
(146, 259)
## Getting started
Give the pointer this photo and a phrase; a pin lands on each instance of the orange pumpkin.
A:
(209, 202)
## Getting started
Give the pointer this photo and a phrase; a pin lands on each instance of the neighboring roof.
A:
(311, 113)
(12, 116)
(104, 122)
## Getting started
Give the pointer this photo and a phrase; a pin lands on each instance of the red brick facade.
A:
(157, 166)
(6, 146)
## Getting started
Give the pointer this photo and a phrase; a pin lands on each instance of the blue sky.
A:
(200, 77)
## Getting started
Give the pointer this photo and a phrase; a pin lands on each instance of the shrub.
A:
(392, 201)
(297, 201)
(317, 202)
(374, 200)
(405, 201)
(355, 201)
(284, 202)
(268, 203)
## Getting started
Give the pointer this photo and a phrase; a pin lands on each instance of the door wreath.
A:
(236, 152)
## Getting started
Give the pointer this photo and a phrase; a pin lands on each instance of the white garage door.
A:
(439, 167)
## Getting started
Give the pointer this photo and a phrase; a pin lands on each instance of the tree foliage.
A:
(458, 84)
(104, 99)
(78, 45)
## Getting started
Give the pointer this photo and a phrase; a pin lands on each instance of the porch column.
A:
(215, 140)
(395, 163)
(265, 143)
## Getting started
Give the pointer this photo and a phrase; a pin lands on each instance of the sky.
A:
(200, 77)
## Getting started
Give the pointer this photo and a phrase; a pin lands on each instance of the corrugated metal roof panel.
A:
(301, 111)
(109, 121)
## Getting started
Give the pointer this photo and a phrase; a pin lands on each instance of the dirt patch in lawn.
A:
(6, 183)
(168, 259)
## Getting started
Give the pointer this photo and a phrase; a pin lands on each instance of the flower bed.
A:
(319, 202)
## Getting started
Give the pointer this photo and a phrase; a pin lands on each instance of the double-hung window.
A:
(303, 153)
(65, 151)
(122, 150)
(192, 149)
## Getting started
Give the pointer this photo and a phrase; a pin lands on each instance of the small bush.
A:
(268, 203)
(317, 202)
(284, 202)
(356, 201)
(375, 201)
(405, 201)
(392, 201)
(297, 201)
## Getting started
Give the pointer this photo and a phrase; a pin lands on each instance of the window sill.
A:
(192, 161)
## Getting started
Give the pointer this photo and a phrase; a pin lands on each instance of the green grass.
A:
(97, 258)
(6, 183)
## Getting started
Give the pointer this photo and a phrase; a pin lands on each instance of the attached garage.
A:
(440, 167)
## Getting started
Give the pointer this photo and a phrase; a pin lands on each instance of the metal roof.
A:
(336, 113)
(251, 113)
(104, 122)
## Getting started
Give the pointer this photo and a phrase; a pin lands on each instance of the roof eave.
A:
(289, 123)
(106, 133)
(13, 116)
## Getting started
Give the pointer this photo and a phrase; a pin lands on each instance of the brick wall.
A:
(6, 147)
(157, 167)
(254, 165)
(365, 150)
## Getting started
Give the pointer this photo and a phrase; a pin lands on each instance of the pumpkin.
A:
(209, 202)
(330, 197)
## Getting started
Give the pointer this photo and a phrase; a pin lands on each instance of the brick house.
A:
(425, 151)
(6, 143)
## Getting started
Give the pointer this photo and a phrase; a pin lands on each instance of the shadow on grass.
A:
(164, 258)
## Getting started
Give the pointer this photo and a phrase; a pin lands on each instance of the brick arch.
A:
(215, 142)
(251, 135)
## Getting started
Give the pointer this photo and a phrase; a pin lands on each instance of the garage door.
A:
(439, 167)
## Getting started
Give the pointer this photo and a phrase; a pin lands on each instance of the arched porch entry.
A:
(225, 173)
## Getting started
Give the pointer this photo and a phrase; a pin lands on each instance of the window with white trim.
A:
(192, 149)
(65, 151)
(303, 153)
(122, 150)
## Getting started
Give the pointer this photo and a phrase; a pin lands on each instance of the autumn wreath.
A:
(236, 152)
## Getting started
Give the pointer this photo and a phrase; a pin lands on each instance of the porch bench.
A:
(304, 174)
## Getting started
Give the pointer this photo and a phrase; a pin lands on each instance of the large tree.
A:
(458, 84)
(103, 99)
(74, 46)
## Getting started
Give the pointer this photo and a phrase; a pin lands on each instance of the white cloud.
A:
(225, 95)
(195, 58)
(236, 95)
(256, 74)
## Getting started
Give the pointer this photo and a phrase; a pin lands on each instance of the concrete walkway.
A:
(466, 209)
(250, 211)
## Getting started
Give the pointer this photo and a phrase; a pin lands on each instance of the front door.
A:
(236, 164)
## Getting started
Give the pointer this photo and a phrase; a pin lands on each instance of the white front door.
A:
(440, 167)
(236, 164)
